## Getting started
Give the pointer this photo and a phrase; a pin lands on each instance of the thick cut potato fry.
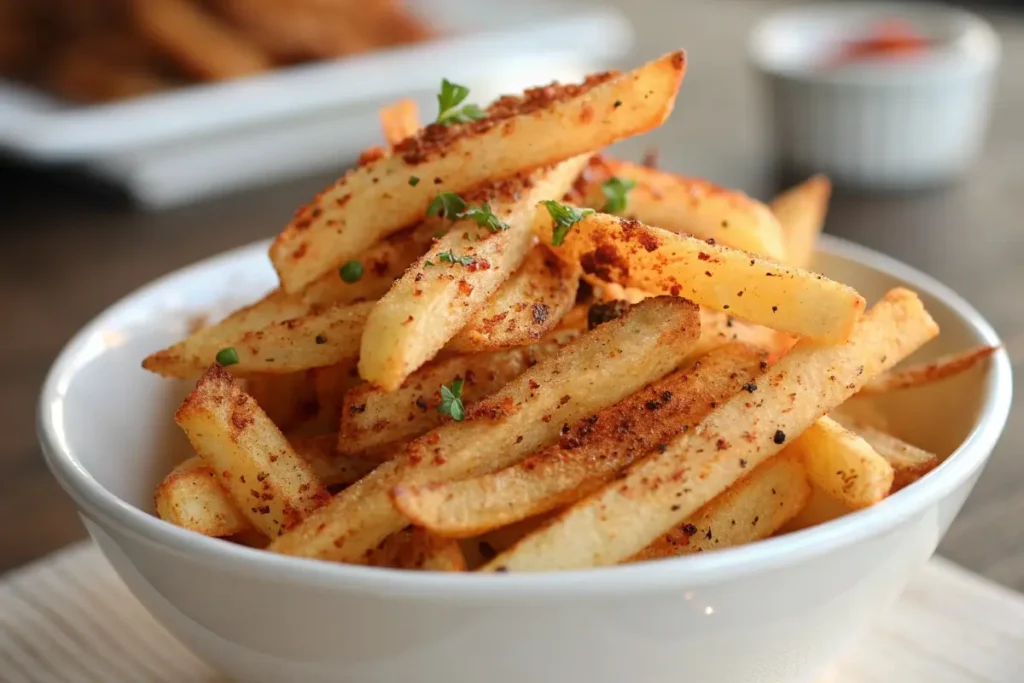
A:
(691, 206)
(530, 304)
(544, 126)
(727, 280)
(820, 508)
(750, 510)
(927, 373)
(665, 488)
(418, 549)
(288, 399)
(843, 465)
(372, 417)
(330, 467)
(437, 296)
(399, 121)
(273, 487)
(590, 454)
(599, 369)
(191, 497)
(801, 212)
(909, 463)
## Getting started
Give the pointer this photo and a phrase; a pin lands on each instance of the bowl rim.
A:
(707, 568)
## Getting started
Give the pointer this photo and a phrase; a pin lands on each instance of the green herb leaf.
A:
(427, 263)
(564, 217)
(450, 257)
(447, 204)
(227, 356)
(351, 271)
(448, 101)
(414, 181)
(484, 217)
(451, 401)
(615, 190)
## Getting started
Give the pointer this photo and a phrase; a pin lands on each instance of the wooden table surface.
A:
(68, 251)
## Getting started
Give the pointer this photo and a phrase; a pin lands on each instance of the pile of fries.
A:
(101, 50)
(484, 356)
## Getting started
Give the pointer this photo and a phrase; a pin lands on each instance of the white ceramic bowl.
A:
(778, 610)
(882, 123)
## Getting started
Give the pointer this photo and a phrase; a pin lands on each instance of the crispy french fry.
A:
(801, 212)
(843, 465)
(928, 373)
(483, 548)
(530, 304)
(597, 370)
(752, 509)
(665, 488)
(287, 399)
(418, 549)
(685, 205)
(372, 417)
(330, 467)
(727, 280)
(590, 454)
(273, 487)
(518, 134)
(439, 294)
(909, 463)
(191, 497)
(400, 121)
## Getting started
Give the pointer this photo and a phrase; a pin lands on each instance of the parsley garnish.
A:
(448, 101)
(447, 204)
(227, 356)
(451, 401)
(564, 217)
(615, 190)
(414, 181)
(484, 218)
(450, 257)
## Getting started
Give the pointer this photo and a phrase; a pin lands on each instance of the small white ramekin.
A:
(882, 124)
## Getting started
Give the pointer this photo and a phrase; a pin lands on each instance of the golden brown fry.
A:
(843, 464)
(597, 370)
(191, 497)
(588, 455)
(531, 303)
(273, 487)
(910, 463)
(663, 489)
(801, 212)
(727, 280)
(752, 509)
(680, 204)
(400, 121)
(518, 134)
(418, 549)
(333, 468)
(287, 399)
(928, 373)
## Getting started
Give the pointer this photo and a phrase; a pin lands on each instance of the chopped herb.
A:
(564, 217)
(484, 218)
(227, 356)
(447, 204)
(448, 101)
(351, 271)
(615, 190)
(450, 257)
(428, 263)
(414, 181)
(451, 401)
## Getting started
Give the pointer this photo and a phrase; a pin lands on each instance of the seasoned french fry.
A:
(928, 373)
(600, 368)
(372, 417)
(590, 454)
(665, 488)
(685, 205)
(287, 399)
(518, 134)
(452, 282)
(273, 487)
(909, 463)
(752, 509)
(400, 121)
(330, 467)
(530, 304)
(727, 280)
(820, 508)
(418, 549)
(801, 212)
(191, 497)
(718, 329)
(843, 465)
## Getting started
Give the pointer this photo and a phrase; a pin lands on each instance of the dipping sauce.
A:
(888, 39)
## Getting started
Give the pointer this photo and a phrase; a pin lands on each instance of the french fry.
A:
(287, 399)
(273, 487)
(727, 280)
(330, 384)
(718, 329)
(330, 467)
(530, 304)
(590, 454)
(665, 488)
(691, 206)
(544, 126)
(820, 508)
(372, 417)
(843, 464)
(752, 509)
(597, 370)
(909, 463)
(439, 294)
(399, 121)
(191, 497)
(418, 549)
(928, 373)
(801, 212)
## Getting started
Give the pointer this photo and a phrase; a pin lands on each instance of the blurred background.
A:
(137, 136)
